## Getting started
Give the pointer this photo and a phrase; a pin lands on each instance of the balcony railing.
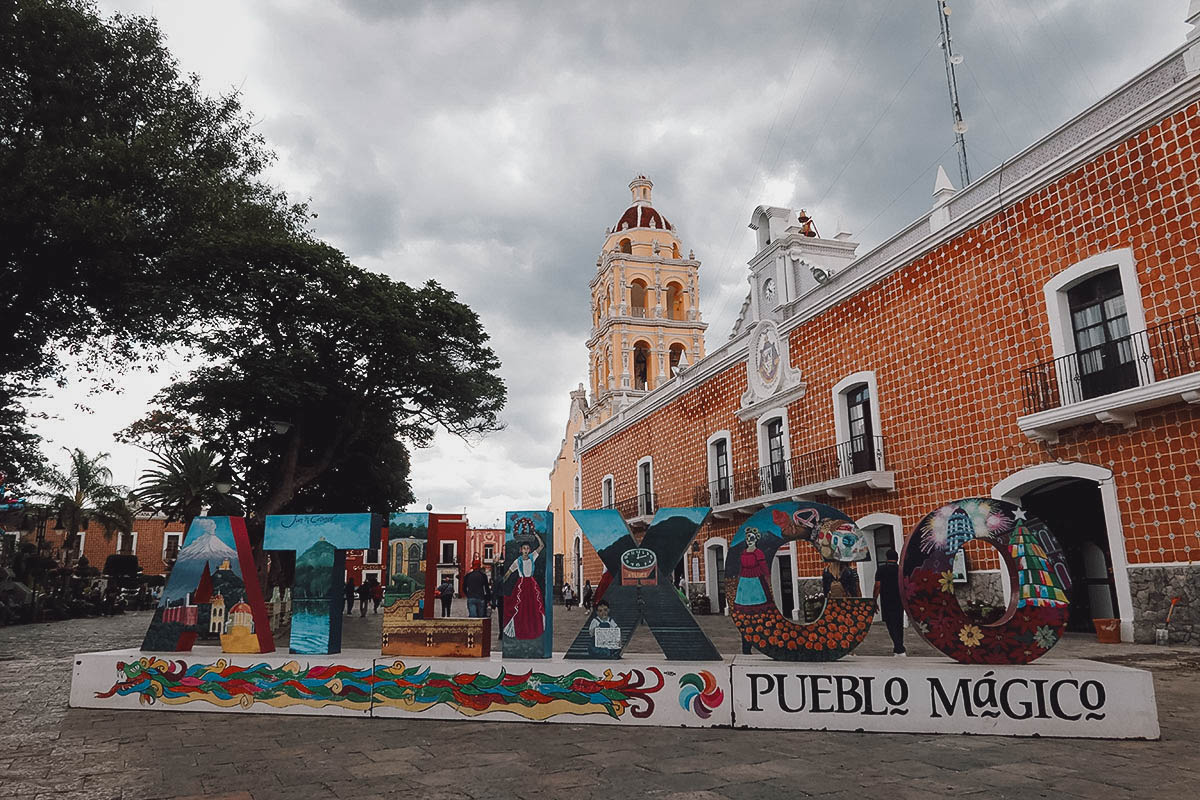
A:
(860, 454)
(642, 505)
(1168, 350)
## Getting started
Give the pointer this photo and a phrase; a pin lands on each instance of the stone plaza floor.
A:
(49, 750)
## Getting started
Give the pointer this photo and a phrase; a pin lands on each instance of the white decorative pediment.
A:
(770, 377)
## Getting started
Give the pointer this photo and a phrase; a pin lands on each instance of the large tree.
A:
(130, 205)
(327, 377)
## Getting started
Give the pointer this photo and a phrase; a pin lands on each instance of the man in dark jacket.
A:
(475, 587)
(887, 592)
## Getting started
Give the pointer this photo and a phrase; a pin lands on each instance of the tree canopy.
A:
(133, 217)
(131, 204)
(354, 365)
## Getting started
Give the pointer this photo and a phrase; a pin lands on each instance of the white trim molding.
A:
(717, 548)
(760, 432)
(841, 414)
(711, 460)
(1017, 485)
(1119, 407)
(1062, 337)
(866, 570)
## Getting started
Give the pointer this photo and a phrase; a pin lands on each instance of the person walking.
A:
(376, 594)
(446, 594)
(475, 587)
(588, 594)
(364, 596)
(568, 596)
(887, 594)
(349, 593)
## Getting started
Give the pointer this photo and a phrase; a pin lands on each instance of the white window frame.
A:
(578, 489)
(1058, 311)
(378, 551)
(644, 490)
(841, 414)
(489, 556)
(608, 491)
(711, 458)
(764, 452)
(453, 551)
(133, 547)
(166, 540)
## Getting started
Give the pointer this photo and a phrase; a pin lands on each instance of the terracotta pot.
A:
(1108, 631)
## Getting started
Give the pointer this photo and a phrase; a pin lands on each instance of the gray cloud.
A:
(488, 145)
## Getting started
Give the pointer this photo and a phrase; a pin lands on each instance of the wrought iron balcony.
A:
(642, 505)
(833, 470)
(1113, 381)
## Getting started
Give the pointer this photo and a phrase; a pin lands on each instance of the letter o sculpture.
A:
(842, 625)
(1032, 563)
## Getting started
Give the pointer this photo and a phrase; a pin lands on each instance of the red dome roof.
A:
(639, 216)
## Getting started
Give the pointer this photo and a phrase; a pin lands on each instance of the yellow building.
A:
(240, 637)
(564, 494)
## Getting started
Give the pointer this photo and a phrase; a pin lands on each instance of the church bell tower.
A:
(646, 323)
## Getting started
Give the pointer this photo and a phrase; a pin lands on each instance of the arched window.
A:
(641, 366)
(414, 560)
(637, 298)
(675, 251)
(625, 246)
(676, 354)
(675, 301)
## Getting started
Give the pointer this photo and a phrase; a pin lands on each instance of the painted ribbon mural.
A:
(845, 620)
(1033, 566)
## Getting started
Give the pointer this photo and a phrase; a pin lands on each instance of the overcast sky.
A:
(488, 146)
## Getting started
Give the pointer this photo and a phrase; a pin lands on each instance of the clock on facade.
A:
(769, 291)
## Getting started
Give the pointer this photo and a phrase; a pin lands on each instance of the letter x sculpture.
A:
(639, 586)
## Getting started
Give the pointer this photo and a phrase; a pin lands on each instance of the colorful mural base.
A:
(1055, 697)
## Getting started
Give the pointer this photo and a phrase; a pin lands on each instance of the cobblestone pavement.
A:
(48, 750)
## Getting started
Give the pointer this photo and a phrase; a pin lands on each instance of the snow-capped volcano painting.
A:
(209, 542)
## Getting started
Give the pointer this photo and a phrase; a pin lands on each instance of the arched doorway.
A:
(714, 575)
(1079, 504)
(783, 580)
(884, 532)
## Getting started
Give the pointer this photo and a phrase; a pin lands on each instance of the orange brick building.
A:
(154, 540)
(1035, 337)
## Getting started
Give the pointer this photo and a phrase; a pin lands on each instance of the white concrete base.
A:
(1052, 697)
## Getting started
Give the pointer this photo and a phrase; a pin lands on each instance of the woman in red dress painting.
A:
(525, 608)
(752, 581)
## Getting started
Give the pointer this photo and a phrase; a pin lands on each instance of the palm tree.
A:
(84, 494)
(183, 482)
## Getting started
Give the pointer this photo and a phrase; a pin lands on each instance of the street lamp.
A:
(281, 426)
(224, 482)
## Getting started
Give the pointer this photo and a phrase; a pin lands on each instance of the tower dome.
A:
(641, 214)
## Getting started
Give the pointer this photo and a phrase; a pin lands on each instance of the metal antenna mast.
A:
(960, 127)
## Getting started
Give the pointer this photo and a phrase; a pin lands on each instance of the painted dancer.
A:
(524, 613)
(752, 582)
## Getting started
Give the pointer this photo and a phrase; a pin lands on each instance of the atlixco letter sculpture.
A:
(843, 623)
(320, 542)
(212, 592)
(528, 600)
(638, 586)
(1033, 566)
